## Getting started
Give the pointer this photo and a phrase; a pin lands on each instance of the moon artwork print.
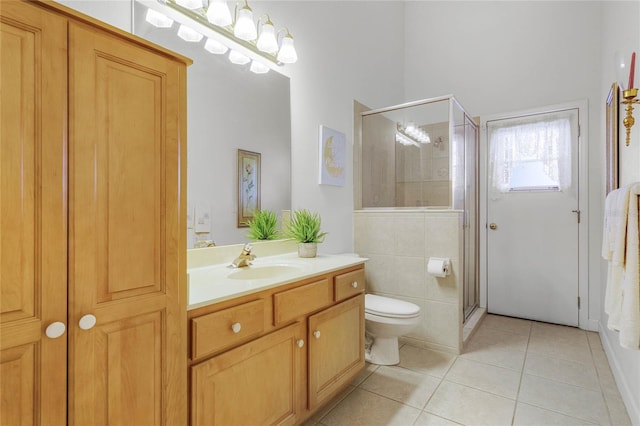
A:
(332, 157)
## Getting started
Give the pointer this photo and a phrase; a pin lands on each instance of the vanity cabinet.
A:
(92, 207)
(309, 346)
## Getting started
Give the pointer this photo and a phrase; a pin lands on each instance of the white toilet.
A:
(386, 319)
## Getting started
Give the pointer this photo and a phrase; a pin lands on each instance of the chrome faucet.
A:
(245, 257)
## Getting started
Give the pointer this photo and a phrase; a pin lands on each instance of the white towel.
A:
(621, 247)
(613, 249)
(630, 311)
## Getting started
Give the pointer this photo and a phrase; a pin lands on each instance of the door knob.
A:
(493, 226)
(55, 330)
(354, 284)
(300, 343)
(87, 322)
(236, 327)
(316, 334)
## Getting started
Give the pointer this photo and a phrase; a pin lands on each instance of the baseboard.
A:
(591, 325)
(631, 403)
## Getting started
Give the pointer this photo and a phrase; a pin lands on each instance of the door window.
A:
(530, 153)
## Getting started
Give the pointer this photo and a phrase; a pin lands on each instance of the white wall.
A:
(619, 32)
(497, 57)
(347, 51)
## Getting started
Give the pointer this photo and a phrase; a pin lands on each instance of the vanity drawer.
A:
(302, 300)
(349, 284)
(213, 332)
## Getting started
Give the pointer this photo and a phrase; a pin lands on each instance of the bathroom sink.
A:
(262, 272)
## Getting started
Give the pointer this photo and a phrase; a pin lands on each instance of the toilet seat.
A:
(389, 308)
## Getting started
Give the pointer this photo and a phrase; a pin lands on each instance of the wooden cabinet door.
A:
(127, 245)
(259, 383)
(336, 348)
(33, 214)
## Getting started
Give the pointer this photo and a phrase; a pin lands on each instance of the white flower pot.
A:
(307, 249)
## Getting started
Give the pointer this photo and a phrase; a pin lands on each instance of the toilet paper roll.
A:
(438, 266)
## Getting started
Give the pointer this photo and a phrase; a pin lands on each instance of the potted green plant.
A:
(263, 226)
(304, 227)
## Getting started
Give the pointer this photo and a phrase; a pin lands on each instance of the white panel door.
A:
(532, 214)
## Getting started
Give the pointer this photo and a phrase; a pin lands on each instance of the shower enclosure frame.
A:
(471, 200)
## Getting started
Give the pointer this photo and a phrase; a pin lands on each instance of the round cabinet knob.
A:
(87, 322)
(55, 330)
(354, 284)
(236, 327)
(493, 226)
(300, 343)
(316, 334)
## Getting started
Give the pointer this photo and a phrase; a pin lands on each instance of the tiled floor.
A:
(514, 372)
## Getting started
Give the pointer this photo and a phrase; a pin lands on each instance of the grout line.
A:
(524, 363)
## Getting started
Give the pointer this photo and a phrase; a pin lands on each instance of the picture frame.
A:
(332, 157)
(611, 138)
(248, 186)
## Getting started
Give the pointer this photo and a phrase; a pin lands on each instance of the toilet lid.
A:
(387, 307)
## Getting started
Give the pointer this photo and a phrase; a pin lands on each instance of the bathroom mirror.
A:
(228, 108)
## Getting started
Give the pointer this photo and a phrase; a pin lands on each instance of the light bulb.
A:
(190, 4)
(238, 58)
(189, 34)
(158, 19)
(267, 41)
(287, 53)
(219, 14)
(214, 46)
(258, 68)
(245, 29)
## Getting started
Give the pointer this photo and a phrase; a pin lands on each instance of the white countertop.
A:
(216, 283)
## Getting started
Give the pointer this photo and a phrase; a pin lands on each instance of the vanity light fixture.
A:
(215, 47)
(258, 42)
(414, 133)
(404, 140)
(629, 92)
(238, 58)
(219, 14)
(190, 4)
(244, 28)
(158, 20)
(267, 41)
(287, 53)
(189, 34)
(258, 67)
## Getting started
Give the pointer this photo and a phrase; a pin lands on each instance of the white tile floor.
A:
(513, 372)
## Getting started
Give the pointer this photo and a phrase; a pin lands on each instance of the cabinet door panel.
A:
(127, 249)
(341, 326)
(33, 215)
(259, 383)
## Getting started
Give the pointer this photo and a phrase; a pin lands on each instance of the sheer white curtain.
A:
(532, 152)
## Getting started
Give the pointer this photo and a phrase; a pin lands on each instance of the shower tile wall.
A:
(399, 245)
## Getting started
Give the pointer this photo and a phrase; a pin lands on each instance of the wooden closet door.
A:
(127, 245)
(33, 215)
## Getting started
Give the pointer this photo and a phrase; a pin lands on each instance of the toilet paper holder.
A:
(439, 267)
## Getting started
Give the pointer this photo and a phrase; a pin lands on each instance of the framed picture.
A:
(332, 157)
(248, 186)
(611, 138)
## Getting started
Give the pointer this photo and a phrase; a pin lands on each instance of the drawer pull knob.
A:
(236, 327)
(354, 284)
(55, 330)
(300, 343)
(316, 334)
(87, 322)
